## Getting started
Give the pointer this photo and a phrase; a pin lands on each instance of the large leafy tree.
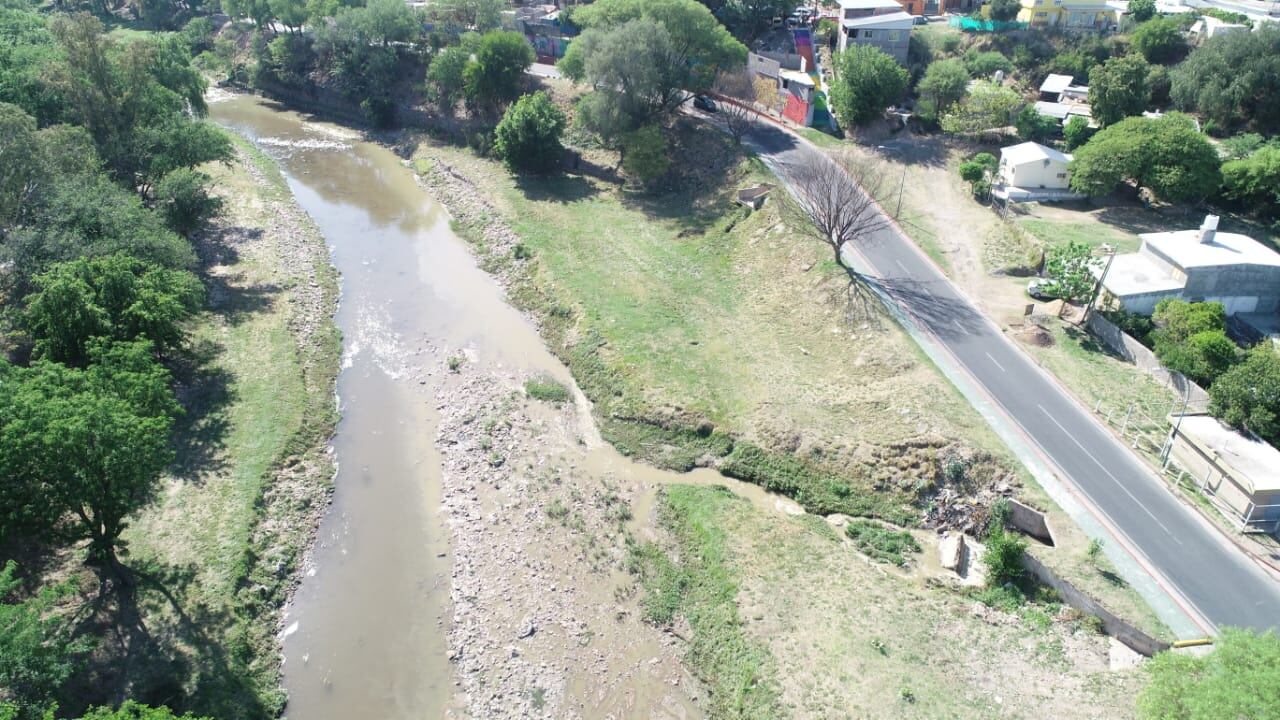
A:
(1167, 155)
(1160, 40)
(944, 84)
(1254, 181)
(117, 296)
(1247, 396)
(1233, 80)
(493, 79)
(1239, 679)
(1118, 88)
(866, 82)
(89, 443)
(138, 100)
(528, 138)
(359, 48)
(644, 57)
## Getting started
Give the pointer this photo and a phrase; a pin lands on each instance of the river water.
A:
(365, 633)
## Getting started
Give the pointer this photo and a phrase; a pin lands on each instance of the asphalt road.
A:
(1215, 578)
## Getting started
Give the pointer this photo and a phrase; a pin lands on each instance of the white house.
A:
(1031, 171)
(1197, 265)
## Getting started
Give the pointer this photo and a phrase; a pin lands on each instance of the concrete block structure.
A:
(1198, 266)
(1241, 475)
(881, 24)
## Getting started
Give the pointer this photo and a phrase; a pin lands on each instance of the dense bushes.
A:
(1191, 338)
(1237, 680)
(867, 81)
(881, 543)
(1233, 80)
(528, 137)
(1247, 396)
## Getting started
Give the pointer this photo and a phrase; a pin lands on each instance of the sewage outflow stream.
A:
(364, 635)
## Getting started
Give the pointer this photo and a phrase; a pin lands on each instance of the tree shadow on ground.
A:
(218, 248)
(947, 318)
(158, 645)
(204, 390)
(700, 183)
(556, 188)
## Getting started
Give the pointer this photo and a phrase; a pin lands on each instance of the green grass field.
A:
(703, 331)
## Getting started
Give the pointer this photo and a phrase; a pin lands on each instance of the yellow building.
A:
(1082, 14)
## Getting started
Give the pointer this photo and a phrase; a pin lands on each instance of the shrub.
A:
(1159, 40)
(1031, 125)
(1237, 680)
(983, 64)
(1077, 132)
(645, 154)
(1142, 10)
(546, 389)
(1003, 557)
(183, 197)
(881, 543)
(1191, 339)
(528, 137)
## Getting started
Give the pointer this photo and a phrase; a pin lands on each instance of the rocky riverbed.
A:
(545, 620)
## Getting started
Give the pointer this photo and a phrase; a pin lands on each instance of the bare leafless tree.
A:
(837, 194)
(739, 115)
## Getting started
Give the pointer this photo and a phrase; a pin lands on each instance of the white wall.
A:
(1035, 174)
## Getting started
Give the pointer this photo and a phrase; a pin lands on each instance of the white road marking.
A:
(957, 323)
(993, 362)
(1108, 472)
(904, 267)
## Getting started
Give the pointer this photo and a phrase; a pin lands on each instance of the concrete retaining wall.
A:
(1120, 629)
(1127, 347)
(1030, 521)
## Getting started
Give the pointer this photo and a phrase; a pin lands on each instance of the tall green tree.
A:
(1239, 679)
(446, 77)
(117, 297)
(1119, 89)
(749, 19)
(1160, 40)
(528, 138)
(867, 81)
(494, 78)
(944, 84)
(91, 442)
(696, 50)
(1233, 80)
(1167, 155)
(1077, 132)
(1142, 10)
(1004, 10)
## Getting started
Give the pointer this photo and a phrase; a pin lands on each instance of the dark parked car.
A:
(702, 102)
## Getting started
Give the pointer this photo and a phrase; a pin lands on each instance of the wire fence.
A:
(1153, 437)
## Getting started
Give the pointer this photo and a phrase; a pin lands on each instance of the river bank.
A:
(222, 549)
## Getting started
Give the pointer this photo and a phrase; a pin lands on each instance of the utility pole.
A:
(1097, 288)
(902, 185)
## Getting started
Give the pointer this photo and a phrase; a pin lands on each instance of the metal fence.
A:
(1153, 436)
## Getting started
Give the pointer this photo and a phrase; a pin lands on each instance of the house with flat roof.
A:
(1240, 474)
(1202, 265)
(881, 24)
(1209, 27)
(1075, 14)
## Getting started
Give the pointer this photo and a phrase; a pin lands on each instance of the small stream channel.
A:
(365, 634)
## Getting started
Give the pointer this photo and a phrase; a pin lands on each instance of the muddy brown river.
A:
(365, 633)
